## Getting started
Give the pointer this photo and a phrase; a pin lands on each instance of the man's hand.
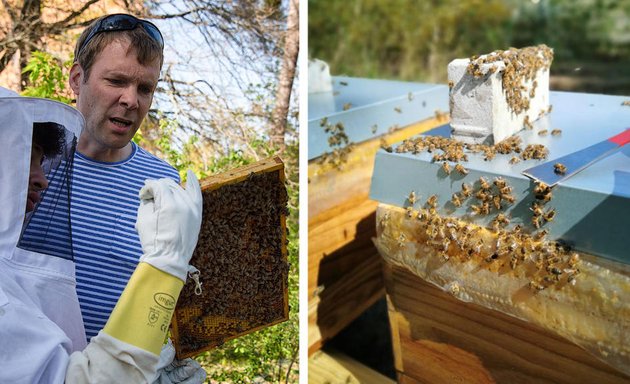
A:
(186, 371)
(169, 218)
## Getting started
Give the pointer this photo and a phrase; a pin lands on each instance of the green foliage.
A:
(414, 40)
(403, 39)
(47, 77)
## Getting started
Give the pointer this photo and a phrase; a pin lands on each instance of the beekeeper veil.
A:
(36, 247)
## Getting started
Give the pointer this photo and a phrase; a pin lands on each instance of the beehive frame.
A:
(244, 274)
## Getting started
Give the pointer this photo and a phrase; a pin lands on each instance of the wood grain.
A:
(344, 268)
(336, 367)
(439, 339)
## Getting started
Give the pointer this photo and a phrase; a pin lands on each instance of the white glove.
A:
(169, 218)
(186, 371)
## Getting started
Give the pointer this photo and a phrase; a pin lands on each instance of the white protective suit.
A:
(42, 339)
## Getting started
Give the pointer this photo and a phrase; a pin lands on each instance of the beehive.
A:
(346, 128)
(242, 259)
(493, 278)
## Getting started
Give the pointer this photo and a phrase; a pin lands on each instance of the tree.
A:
(283, 95)
(221, 81)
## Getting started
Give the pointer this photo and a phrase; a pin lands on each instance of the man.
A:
(116, 70)
(117, 65)
(40, 322)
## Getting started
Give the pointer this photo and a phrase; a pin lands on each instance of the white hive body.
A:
(498, 94)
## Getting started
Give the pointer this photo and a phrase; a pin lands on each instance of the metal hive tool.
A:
(242, 258)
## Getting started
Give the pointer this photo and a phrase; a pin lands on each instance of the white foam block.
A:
(319, 77)
(478, 106)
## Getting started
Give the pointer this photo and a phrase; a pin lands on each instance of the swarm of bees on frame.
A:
(338, 141)
(521, 65)
(241, 256)
(498, 247)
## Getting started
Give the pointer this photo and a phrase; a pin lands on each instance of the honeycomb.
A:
(242, 259)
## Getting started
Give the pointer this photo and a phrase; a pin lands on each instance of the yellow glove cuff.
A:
(143, 312)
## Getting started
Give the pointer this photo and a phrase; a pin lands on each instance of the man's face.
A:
(116, 97)
(37, 181)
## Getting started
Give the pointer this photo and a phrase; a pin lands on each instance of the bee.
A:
(343, 83)
(401, 240)
(439, 115)
(323, 122)
(466, 190)
(542, 132)
(536, 286)
(496, 200)
(492, 257)
(514, 160)
(451, 84)
(571, 274)
(489, 154)
(412, 198)
(485, 208)
(461, 169)
(446, 168)
(347, 106)
(445, 244)
(536, 209)
(374, 128)
(456, 200)
(483, 195)
(478, 246)
(549, 215)
(410, 212)
(502, 219)
(476, 209)
(509, 198)
(559, 168)
(574, 260)
(554, 270)
(542, 191)
(556, 132)
(398, 109)
(423, 214)
(536, 222)
(484, 183)
(500, 182)
(505, 190)
(540, 235)
(432, 201)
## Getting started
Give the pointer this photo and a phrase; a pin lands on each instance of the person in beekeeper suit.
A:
(42, 339)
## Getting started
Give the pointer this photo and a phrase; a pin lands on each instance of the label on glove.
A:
(143, 312)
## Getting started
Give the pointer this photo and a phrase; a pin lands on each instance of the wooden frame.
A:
(244, 279)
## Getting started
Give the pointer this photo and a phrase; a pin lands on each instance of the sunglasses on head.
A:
(123, 22)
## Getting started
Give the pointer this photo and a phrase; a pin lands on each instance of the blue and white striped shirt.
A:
(104, 206)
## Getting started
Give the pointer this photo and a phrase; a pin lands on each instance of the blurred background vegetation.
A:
(415, 40)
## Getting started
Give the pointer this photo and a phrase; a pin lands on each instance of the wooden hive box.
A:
(344, 270)
(242, 258)
(497, 311)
